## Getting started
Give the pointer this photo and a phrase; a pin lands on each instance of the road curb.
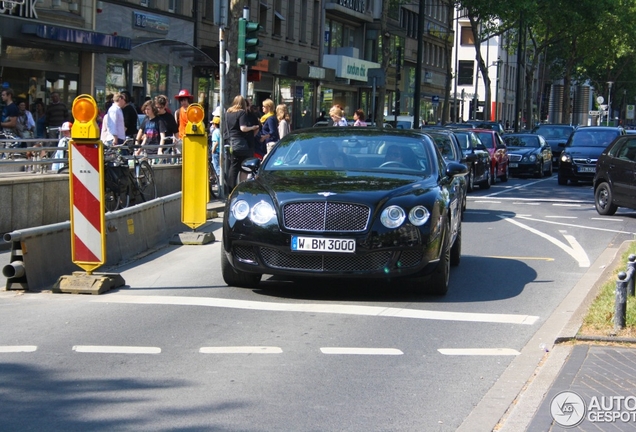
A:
(512, 401)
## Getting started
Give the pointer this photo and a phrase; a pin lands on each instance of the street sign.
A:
(600, 100)
(630, 112)
(594, 113)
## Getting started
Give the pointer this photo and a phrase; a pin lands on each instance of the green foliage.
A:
(600, 315)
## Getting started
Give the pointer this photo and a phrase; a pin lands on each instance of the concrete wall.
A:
(28, 200)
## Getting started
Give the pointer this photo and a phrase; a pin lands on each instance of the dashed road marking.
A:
(320, 308)
(106, 349)
(478, 351)
(360, 351)
(607, 219)
(566, 205)
(17, 348)
(560, 217)
(241, 350)
(526, 203)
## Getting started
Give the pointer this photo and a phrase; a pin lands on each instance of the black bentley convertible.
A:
(346, 203)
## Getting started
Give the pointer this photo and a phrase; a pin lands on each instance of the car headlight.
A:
(392, 216)
(262, 213)
(532, 158)
(240, 209)
(419, 215)
(566, 158)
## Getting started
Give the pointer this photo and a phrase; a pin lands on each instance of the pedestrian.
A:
(322, 117)
(168, 125)
(10, 112)
(358, 116)
(25, 124)
(236, 131)
(269, 130)
(65, 136)
(337, 116)
(56, 114)
(149, 133)
(40, 119)
(185, 99)
(254, 119)
(215, 139)
(131, 119)
(113, 130)
(282, 114)
(109, 101)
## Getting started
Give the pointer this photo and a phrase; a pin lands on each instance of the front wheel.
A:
(237, 278)
(114, 199)
(603, 200)
(145, 180)
(562, 180)
(550, 170)
(485, 184)
(471, 180)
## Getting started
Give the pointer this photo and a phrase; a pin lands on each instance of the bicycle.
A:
(8, 143)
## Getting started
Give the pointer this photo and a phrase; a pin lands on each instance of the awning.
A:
(89, 40)
(184, 50)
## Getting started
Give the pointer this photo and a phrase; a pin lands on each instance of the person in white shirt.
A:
(65, 137)
(113, 126)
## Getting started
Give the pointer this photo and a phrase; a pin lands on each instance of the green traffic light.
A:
(247, 42)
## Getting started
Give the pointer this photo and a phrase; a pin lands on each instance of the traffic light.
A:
(247, 42)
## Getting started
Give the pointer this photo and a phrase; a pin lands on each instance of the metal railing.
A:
(624, 287)
(39, 154)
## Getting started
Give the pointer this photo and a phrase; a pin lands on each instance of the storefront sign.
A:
(26, 10)
(152, 23)
(316, 72)
(354, 5)
(349, 67)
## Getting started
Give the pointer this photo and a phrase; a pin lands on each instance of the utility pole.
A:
(520, 64)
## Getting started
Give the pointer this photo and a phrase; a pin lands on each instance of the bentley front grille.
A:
(326, 216)
(374, 261)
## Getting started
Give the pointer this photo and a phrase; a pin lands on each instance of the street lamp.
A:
(609, 102)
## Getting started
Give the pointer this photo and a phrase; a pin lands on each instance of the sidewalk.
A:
(583, 384)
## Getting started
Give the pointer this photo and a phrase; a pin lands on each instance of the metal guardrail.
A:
(38, 164)
(624, 287)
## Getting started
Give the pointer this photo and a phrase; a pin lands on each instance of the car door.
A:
(621, 169)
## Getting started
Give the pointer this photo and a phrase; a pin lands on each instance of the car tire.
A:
(562, 180)
(456, 249)
(236, 278)
(603, 200)
(485, 184)
(471, 180)
(539, 173)
(506, 175)
(438, 282)
(550, 171)
(493, 176)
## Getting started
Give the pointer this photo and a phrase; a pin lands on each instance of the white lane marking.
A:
(575, 226)
(489, 202)
(574, 250)
(547, 200)
(361, 351)
(566, 205)
(320, 308)
(561, 217)
(241, 350)
(525, 203)
(510, 189)
(478, 351)
(17, 348)
(106, 349)
(607, 219)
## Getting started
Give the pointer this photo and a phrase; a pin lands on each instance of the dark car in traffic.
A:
(529, 154)
(556, 135)
(346, 203)
(577, 161)
(448, 146)
(498, 153)
(615, 178)
(477, 159)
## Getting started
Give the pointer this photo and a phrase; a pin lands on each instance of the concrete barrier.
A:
(45, 251)
(32, 200)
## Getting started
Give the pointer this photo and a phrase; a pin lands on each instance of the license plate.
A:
(587, 169)
(514, 165)
(320, 244)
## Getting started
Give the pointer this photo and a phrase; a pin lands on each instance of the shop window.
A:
(156, 79)
(115, 75)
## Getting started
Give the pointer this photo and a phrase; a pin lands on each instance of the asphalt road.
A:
(176, 349)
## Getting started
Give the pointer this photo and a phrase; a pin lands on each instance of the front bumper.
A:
(583, 172)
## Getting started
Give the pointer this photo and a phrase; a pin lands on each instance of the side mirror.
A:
(251, 164)
(454, 169)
